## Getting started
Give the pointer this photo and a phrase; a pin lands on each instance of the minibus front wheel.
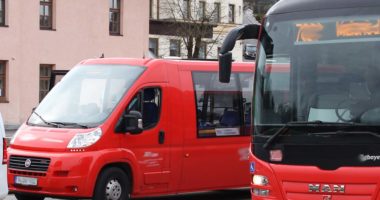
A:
(112, 184)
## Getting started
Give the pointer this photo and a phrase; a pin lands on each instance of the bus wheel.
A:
(112, 184)
(28, 197)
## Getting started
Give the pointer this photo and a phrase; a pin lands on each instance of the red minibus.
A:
(317, 125)
(117, 128)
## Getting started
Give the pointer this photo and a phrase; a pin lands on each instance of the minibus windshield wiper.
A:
(283, 130)
(71, 124)
(44, 121)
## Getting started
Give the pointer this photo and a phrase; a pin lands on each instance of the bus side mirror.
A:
(249, 31)
(225, 62)
(130, 123)
(133, 123)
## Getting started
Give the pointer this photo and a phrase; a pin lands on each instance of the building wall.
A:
(81, 32)
(219, 32)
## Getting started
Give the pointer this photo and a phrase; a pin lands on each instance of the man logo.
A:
(326, 188)
(326, 197)
(28, 162)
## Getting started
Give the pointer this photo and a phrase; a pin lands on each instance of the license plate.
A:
(27, 181)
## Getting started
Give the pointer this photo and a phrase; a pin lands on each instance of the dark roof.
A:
(288, 6)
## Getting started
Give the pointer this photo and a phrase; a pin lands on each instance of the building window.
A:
(153, 46)
(151, 9)
(223, 109)
(175, 48)
(203, 51)
(45, 75)
(2, 12)
(202, 10)
(158, 9)
(231, 13)
(3, 78)
(216, 13)
(115, 14)
(46, 14)
(186, 9)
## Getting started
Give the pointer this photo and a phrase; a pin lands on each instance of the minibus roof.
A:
(289, 6)
(126, 61)
(148, 62)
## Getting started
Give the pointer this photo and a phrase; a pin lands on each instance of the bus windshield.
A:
(86, 96)
(330, 69)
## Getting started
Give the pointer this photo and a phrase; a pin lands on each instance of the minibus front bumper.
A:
(51, 174)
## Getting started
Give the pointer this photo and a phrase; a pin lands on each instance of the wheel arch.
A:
(123, 159)
(127, 169)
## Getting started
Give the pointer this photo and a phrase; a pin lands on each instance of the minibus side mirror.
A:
(130, 123)
(249, 31)
(133, 121)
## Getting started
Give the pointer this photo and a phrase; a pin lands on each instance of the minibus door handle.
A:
(161, 137)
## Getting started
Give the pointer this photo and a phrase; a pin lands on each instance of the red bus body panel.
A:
(292, 182)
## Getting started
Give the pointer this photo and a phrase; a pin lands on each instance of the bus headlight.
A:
(81, 140)
(260, 180)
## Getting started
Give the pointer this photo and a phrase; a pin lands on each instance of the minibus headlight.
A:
(81, 140)
(260, 180)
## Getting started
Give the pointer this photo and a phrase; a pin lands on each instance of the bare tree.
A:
(194, 22)
(259, 7)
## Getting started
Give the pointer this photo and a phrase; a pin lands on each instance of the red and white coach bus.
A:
(318, 136)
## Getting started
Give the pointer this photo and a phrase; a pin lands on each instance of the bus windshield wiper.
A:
(44, 121)
(342, 132)
(71, 124)
(286, 127)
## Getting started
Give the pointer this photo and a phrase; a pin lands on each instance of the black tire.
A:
(112, 184)
(28, 197)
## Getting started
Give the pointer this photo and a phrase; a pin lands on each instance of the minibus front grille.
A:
(29, 163)
(27, 173)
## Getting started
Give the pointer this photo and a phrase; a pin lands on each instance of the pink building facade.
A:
(58, 34)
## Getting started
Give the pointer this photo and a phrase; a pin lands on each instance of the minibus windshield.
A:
(86, 96)
(330, 71)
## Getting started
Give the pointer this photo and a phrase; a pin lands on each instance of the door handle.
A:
(161, 137)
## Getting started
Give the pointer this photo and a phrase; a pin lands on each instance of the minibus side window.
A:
(151, 107)
(148, 103)
(222, 109)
